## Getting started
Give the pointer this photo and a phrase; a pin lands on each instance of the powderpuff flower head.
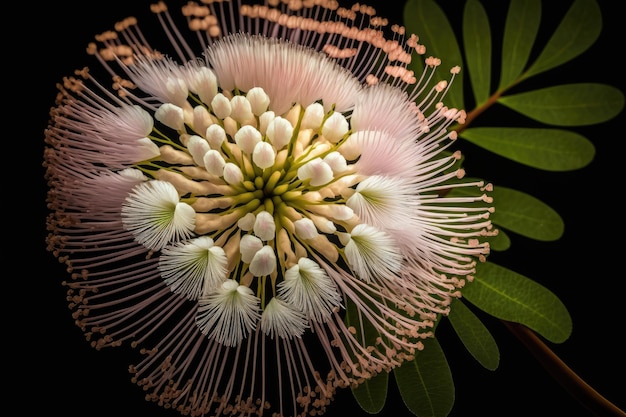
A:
(262, 206)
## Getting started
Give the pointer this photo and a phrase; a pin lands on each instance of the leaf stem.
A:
(573, 384)
(469, 118)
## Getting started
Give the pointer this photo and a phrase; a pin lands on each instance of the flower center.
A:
(262, 173)
(262, 200)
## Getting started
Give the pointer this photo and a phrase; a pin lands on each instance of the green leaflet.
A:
(548, 149)
(500, 242)
(474, 335)
(477, 43)
(371, 394)
(426, 19)
(578, 30)
(525, 215)
(568, 105)
(520, 213)
(425, 383)
(520, 32)
(510, 296)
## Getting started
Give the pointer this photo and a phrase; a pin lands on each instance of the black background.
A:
(54, 371)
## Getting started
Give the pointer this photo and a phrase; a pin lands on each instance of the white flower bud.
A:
(317, 170)
(336, 161)
(259, 100)
(351, 148)
(171, 116)
(215, 135)
(313, 116)
(201, 119)
(323, 224)
(232, 174)
(246, 223)
(263, 155)
(204, 83)
(221, 106)
(197, 147)
(177, 90)
(264, 120)
(305, 228)
(247, 137)
(264, 262)
(248, 246)
(264, 226)
(279, 132)
(335, 127)
(340, 212)
(146, 149)
(241, 110)
(214, 162)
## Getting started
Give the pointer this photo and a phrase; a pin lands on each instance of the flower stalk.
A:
(580, 390)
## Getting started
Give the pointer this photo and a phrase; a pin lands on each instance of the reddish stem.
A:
(573, 384)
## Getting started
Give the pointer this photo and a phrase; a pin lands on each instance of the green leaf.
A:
(477, 43)
(507, 295)
(579, 29)
(499, 242)
(474, 335)
(520, 32)
(568, 105)
(548, 149)
(525, 215)
(427, 20)
(372, 393)
(425, 383)
(519, 212)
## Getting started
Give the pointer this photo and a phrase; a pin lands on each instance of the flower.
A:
(266, 212)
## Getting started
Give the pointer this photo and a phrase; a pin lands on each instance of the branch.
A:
(573, 384)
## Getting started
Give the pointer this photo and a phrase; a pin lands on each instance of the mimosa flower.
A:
(244, 207)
